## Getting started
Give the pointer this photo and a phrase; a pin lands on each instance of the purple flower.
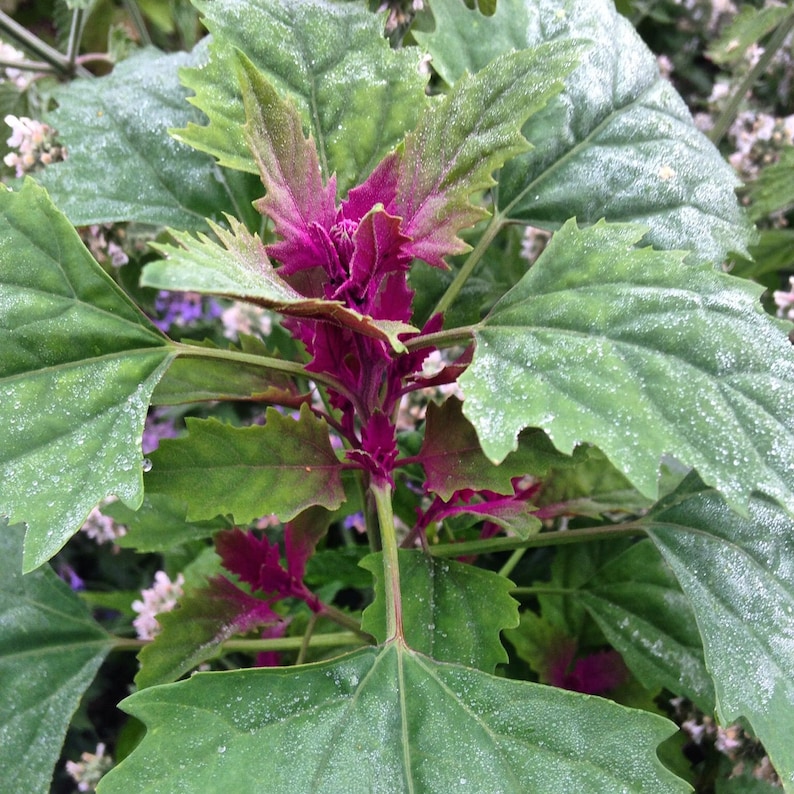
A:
(183, 308)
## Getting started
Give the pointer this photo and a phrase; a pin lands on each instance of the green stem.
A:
(138, 21)
(728, 114)
(274, 364)
(453, 290)
(492, 545)
(540, 590)
(441, 339)
(391, 563)
(28, 41)
(255, 646)
(339, 617)
(75, 36)
(515, 558)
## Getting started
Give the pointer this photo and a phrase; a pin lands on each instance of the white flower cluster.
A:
(35, 142)
(785, 301)
(159, 598)
(101, 528)
(245, 318)
(88, 771)
(21, 78)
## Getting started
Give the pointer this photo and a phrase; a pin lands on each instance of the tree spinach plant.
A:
(616, 435)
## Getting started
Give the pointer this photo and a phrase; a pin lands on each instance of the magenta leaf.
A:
(239, 268)
(453, 459)
(514, 515)
(194, 631)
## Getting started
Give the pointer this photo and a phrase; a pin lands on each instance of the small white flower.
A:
(159, 598)
(101, 528)
(88, 771)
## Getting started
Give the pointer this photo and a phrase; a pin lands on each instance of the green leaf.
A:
(247, 472)
(643, 356)
(122, 164)
(467, 135)
(159, 524)
(773, 190)
(745, 30)
(194, 632)
(738, 574)
(638, 604)
(382, 720)
(453, 612)
(618, 142)
(452, 457)
(356, 95)
(50, 650)
(191, 380)
(240, 268)
(78, 366)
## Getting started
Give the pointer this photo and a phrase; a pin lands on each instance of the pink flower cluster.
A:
(36, 143)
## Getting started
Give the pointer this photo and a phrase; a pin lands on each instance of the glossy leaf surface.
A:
(356, 95)
(638, 604)
(248, 472)
(381, 720)
(50, 650)
(643, 356)
(78, 366)
(451, 612)
(738, 574)
(116, 131)
(618, 142)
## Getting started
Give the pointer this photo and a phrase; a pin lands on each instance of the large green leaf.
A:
(618, 142)
(643, 356)
(384, 720)
(247, 472)
(738, 573)
(78, 366)
(240, 268)
(50, 650)
(357, 96)
(122, 164)
(638, 604)
(451, 611)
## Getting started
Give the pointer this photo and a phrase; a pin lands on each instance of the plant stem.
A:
(391, 564)
(254, 646)
(492, 545)
(773, 45)
(138, 21)
(31, 43)
(515, 558)
(450, 338)
(274, 364)
(453, 290)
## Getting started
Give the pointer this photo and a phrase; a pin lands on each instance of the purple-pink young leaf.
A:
(301, 536)
(296, 199)
(254, 560)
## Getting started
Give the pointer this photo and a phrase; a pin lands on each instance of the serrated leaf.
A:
(745, 30)
(122, 164)
(248, 472)
(470, 133)
(452, 612)
(638, 604)
(773, 190)
(453, 459)
(50, 650)
(382, 720)
(194, 632)
(240, 268)
(159, 524)
(78, 366)
(356, 95)
(738, 574)
(618, 142)
(643, 356)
